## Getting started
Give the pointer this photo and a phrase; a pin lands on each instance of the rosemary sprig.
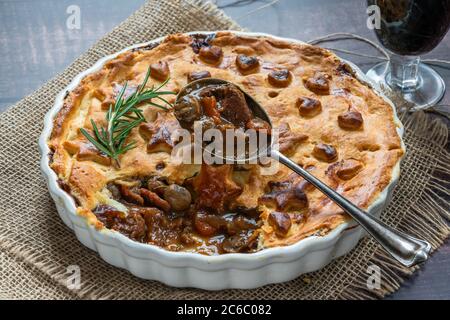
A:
(123, 117)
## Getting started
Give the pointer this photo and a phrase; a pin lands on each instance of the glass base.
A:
(429, 90)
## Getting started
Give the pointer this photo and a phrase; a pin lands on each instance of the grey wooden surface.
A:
(35, 45)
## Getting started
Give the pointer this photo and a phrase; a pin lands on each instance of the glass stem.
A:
(404, 72)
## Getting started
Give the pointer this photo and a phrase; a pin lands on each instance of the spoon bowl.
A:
(256, 109)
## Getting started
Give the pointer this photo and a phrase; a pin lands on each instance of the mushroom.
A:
(178, 197)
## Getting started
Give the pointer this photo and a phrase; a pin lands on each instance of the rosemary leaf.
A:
(123, 117)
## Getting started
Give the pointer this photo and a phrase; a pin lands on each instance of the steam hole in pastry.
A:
(160, 165)
(273, 94)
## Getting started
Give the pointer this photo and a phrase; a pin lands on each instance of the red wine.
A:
(412, 27)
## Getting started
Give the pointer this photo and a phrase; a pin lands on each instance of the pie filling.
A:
(168, 215)
(328, 122)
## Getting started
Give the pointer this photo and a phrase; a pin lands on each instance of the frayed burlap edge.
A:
(428, 217)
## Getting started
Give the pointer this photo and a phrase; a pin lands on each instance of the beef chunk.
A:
(245, 241)
(246, 63)
(131, 225)
(319, 83)
(160, 71)
(231, 103)
(351, 120)
(211, 55)
(154, 199)
(162, 229)
(215, 187)
(131, 195)
(280, 78)
(201, 40)
(288, 140)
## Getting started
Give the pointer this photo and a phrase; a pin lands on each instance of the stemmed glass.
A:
(409, 28)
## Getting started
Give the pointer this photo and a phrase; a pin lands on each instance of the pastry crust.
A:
(365, 151)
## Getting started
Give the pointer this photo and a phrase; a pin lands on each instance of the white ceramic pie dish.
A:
(183, 269)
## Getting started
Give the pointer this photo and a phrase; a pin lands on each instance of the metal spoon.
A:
(406, 249)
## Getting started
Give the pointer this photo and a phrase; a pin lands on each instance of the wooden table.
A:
(35, 44)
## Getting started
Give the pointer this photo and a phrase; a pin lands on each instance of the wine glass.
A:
(409, 28)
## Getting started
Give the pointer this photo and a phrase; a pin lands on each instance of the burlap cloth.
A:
(36, 248)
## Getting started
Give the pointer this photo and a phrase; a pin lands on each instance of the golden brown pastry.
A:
(330, 123)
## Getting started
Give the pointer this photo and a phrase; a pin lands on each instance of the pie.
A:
(329, 122)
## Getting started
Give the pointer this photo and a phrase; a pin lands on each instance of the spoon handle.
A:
(406, 249)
